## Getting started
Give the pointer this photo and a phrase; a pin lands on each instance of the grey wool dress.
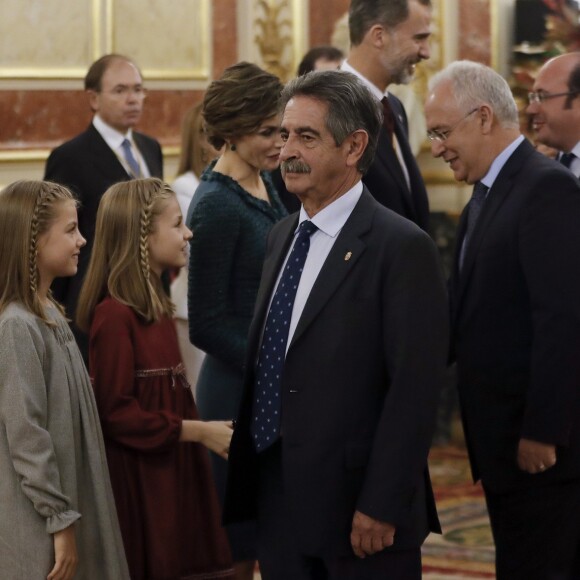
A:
(53, 469)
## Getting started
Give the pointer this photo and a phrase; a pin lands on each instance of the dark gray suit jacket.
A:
(516, 322)
(385, 178)
(360, 385)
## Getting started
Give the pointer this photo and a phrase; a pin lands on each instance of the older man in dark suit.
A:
(109, 151)
(346, 354)
(515, 298)
(388, 38)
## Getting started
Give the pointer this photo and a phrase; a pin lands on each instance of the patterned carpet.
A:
(465, 550)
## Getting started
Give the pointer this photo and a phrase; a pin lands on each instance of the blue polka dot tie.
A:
(267, 388)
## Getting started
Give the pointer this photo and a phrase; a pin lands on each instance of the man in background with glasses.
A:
(109, 151)
(515, 314)
(554, 107)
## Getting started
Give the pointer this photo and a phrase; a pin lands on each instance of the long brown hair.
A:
(119, 263)
(27, 210)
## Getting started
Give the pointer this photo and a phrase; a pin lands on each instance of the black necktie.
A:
(566, 159)
(267, 389)
(388, 118)
(474, 209)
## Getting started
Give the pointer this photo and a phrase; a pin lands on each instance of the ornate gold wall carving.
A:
(273, 34)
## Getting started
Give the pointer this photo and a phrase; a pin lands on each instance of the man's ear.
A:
(355, 144)
(377, 36)
(93, 100)
(486, 118)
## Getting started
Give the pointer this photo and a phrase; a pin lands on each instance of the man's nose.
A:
(437, 148)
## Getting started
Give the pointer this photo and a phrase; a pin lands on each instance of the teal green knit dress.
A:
(229, 228)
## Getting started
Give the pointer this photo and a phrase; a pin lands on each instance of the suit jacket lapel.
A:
(337, 267)
(270, 272)
(149, 155)
(104, 159)
(496, 196)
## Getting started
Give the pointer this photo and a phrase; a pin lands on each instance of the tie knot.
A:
(479, 191)
(566, 159)
(306, 229)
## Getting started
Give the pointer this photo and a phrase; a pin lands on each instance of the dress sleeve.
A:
(24, 418)
(213, 327)
(112, 364)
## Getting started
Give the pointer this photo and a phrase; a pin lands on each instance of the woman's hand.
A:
(65, 555)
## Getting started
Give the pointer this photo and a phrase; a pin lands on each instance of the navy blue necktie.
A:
(267, 388)
(130, 158)
(566, 159)
(475, 206)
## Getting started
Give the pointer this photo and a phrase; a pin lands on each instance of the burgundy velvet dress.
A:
(167, 506)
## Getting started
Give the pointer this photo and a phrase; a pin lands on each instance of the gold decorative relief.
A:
(278, 26)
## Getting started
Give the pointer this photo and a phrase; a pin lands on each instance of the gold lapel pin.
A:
(347, 256)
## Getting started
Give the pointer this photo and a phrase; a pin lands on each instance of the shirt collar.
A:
(345, 66)
(500, 161)
(332, 218)
(111, 136)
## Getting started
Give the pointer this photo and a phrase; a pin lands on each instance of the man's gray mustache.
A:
(295, 166)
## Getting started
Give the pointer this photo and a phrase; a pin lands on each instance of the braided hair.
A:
(27, 210)
(119, 264)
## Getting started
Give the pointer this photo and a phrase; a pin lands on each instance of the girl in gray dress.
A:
(58, 518)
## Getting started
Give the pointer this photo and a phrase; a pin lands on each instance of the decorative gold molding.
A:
(61, 72)
(280, 25)
(36, 155)
(494, 32)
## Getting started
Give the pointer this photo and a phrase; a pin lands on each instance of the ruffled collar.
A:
(275, 208)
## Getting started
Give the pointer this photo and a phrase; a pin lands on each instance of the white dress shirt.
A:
(114, 140)
(329, 222)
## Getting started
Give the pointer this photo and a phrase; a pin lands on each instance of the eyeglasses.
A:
(440, 136)
(541, 96)
(122, 91)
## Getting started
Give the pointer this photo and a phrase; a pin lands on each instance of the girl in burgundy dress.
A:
(160, 473)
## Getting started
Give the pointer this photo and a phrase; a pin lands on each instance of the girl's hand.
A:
(216, 436)
(65, 555)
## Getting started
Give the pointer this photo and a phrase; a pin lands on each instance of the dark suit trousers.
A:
(537, 532)
(280, 557)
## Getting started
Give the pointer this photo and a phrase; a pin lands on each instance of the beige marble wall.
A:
(47, 39)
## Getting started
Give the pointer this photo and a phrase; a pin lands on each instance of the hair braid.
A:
(144, 231)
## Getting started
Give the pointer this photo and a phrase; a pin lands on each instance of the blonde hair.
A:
(119, 264)
(195, 149)
(27, 210)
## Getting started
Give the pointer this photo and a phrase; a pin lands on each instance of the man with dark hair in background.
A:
(388, 39)
(109, 151)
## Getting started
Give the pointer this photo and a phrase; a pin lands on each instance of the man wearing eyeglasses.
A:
(109, 151)
(554, 107)
(515, 312)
